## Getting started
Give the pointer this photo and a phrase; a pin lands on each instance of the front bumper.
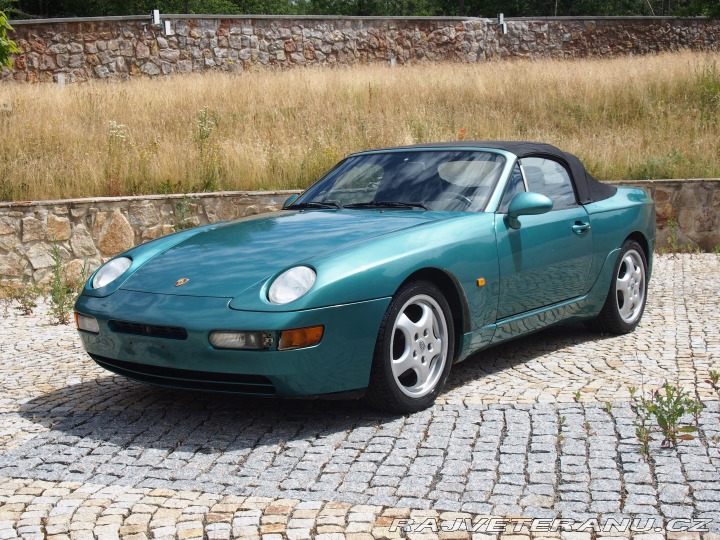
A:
(339, 363)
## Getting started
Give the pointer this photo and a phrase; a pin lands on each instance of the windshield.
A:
(459, 180)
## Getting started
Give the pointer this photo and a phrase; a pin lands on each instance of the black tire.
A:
(626, 299)
(416, 333)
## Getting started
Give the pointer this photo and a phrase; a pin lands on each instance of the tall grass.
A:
(642, 117)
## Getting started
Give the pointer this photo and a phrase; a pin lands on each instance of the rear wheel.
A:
(414, 350)
(625, 303)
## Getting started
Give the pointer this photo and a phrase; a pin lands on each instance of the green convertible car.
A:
(393, 266)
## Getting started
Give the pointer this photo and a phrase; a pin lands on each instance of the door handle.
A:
(580, 228)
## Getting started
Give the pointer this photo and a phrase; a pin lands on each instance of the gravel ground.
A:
(543, 427)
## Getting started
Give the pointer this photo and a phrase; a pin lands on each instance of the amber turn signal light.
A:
(300, 338)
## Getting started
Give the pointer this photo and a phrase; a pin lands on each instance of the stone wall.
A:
(90, 231)
(122, 47)
(687, 212)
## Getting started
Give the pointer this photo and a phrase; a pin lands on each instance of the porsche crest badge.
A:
(182, 281)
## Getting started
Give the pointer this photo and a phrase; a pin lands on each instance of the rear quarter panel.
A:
(630, 212)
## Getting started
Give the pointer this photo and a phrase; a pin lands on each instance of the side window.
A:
(551, 179)
(515, 185)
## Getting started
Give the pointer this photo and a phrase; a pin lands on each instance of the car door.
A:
(547, 260)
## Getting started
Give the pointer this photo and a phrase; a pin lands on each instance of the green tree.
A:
(470, 8)
(104, 8)
(708, 8)
(7, 45)
(11, 9)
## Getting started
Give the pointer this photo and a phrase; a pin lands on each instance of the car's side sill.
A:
(535, 320)
(525, 323)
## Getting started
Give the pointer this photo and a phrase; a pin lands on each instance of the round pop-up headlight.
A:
(291, 285)
(111, 271)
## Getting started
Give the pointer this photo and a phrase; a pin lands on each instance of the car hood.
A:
(225, 259)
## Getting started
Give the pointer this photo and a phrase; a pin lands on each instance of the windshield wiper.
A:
(387, 204)
(316, 204)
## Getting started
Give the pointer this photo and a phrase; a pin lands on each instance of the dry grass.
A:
(643, 117)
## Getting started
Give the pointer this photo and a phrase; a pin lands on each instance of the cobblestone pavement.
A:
(539, 428)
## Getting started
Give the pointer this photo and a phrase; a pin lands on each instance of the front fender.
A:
(463, 248)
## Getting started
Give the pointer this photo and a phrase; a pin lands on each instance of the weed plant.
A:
(63, 289)
(662, 413)
(22, 296)
(182, 209)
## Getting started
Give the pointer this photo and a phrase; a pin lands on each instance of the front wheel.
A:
(414, 350)
(625, 302)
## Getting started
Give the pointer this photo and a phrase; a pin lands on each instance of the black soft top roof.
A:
(588, 188)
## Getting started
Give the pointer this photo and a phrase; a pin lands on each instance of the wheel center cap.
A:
(422, 346)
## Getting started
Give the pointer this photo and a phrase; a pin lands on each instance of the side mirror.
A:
(291, 199)
(527, 204)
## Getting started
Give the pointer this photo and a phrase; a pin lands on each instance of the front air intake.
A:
(149, 330)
